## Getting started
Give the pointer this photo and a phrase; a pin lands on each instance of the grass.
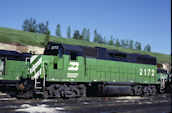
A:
(28, 38)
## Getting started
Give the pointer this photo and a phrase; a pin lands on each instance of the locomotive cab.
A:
(54, 49)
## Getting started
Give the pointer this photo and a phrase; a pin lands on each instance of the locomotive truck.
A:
(75, 71)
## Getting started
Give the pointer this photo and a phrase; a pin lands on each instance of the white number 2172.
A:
(147, 72)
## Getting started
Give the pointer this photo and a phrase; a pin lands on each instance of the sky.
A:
(146, 21)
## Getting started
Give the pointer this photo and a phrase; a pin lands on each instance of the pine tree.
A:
(68, 32)
(111, 41)
(138, 46)
(43, 28)
(117, 44)
(104, 40)
(95, 37)
(84, 33)
(147, 48)
(130, 44)
(88, 35)
(47, 37)
(30, 25)
(100, 39)
(122, 43)
(58, 31)
(81, 37)
(125, 43)
(76, 34)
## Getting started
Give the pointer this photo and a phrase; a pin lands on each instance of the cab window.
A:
(73, 56)
(2, 66)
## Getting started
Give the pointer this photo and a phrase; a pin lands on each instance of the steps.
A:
(40, 83)
(39, 88)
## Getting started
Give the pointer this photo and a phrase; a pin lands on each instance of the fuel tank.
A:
(110, 90)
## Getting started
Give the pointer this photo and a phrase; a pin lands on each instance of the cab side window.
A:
(55, 66)
(73, 56)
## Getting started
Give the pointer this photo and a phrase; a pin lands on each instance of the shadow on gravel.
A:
(129, 104)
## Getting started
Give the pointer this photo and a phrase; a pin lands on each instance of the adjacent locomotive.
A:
(74, 71)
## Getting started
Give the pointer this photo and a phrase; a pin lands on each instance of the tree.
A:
(43, 28)
(117, 44)
(81, 37)
(140, 47)
(111, 41)
(137, 45)
(147, 48)
(58, 31)
(95, 36)
(30, 25)
(124, 43)
(88, 35)
(47, 37)
(100, 39)
(68, 32)
(84, 33)
(76, 34)
(130, 44)
(104, 40)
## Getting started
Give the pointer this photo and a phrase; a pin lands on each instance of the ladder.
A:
(40, 84)
(39, 89)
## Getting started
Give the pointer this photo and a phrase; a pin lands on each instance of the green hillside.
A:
(27, 38)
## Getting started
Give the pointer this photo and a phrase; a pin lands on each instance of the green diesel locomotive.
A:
(74, 71)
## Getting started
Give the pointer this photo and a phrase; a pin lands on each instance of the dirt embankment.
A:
(21, 49)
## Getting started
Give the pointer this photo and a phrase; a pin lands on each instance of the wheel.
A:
(82, 89)
(153, 90)
(75, 90)
(137, 90)
(145, 91)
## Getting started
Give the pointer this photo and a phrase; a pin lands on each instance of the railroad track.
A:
(158, 103)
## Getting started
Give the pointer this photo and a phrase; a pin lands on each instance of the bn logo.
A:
(74, 66)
